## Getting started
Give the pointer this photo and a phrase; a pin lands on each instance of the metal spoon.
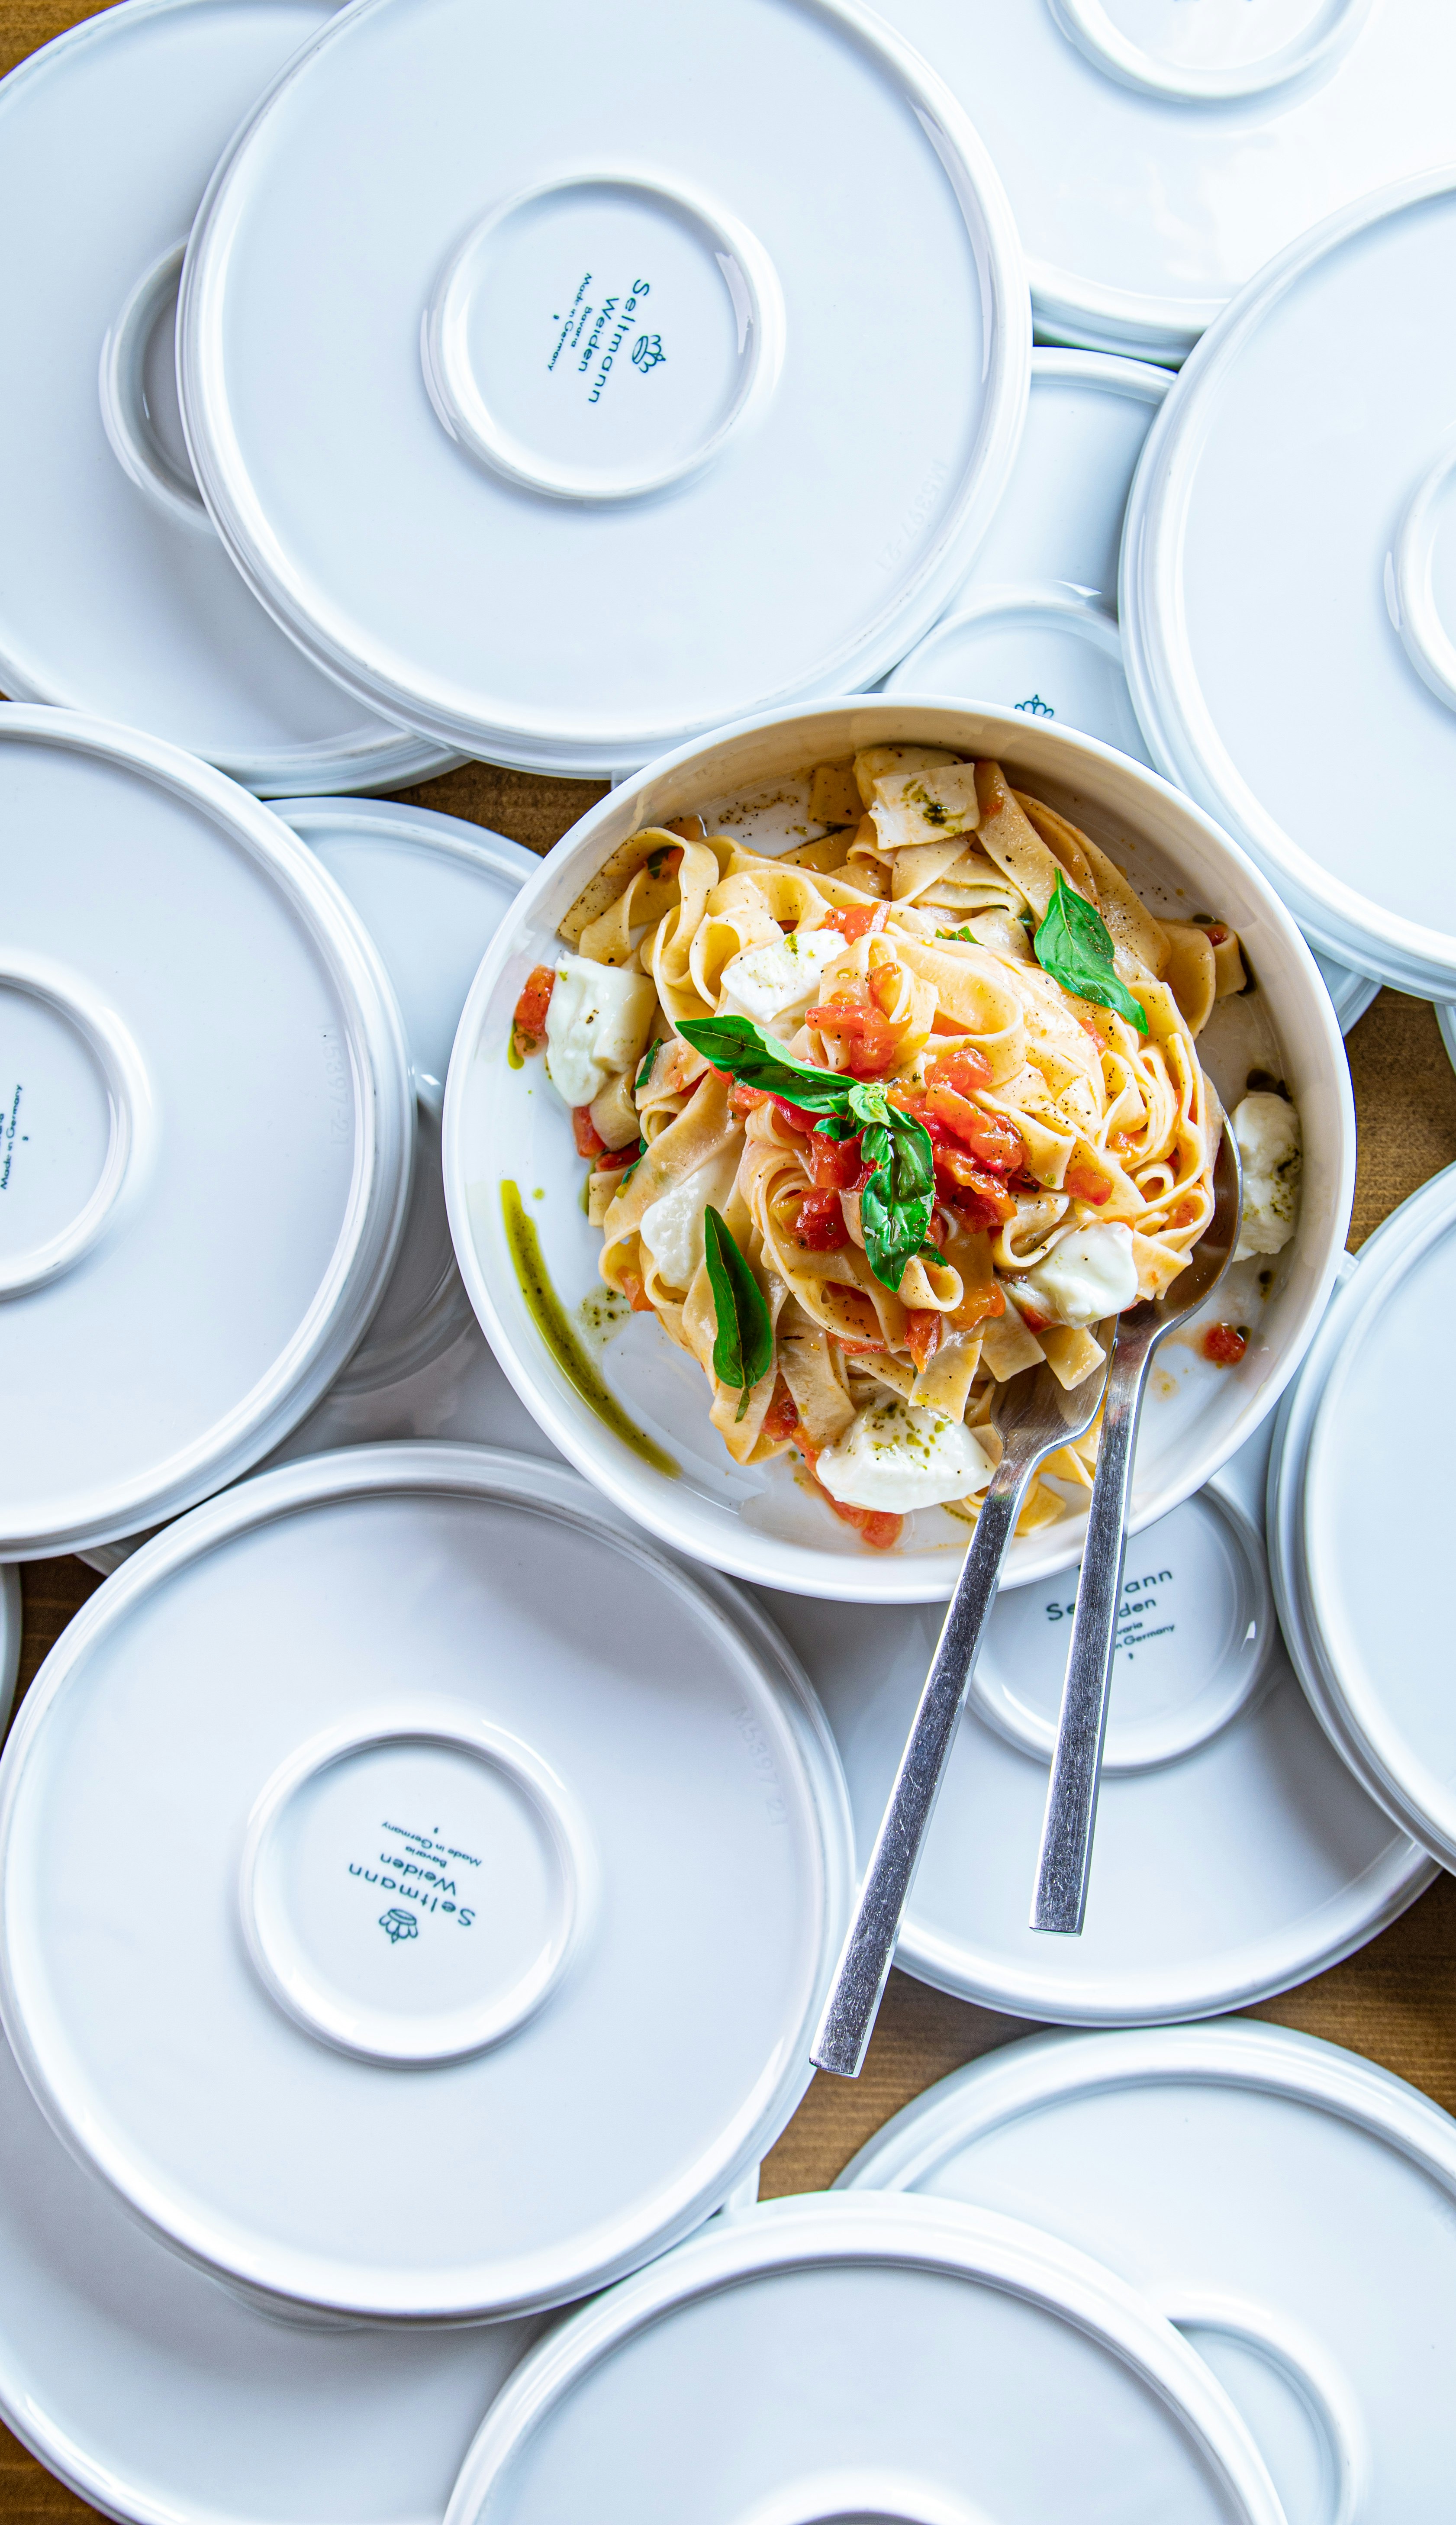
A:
(1032, 1414)
(1060, 1900)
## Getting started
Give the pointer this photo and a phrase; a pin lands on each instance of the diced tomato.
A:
(819, 1226)
(965, 1072)
(885, 985)
(836, 1166)
(744, 1099)
(969, 1188)
(617, 1160)
(1223, 1345)
(1183, 1213)
(781, 1420)
(1034, 1320)
(859, 1030)
(938, 1230)
(980, 1304)
(855, 920)
(858, 1350)
(923, 1333)
(880, 1532)
(796, 1116)
(589, 1139)
(636, 1295)
(1083, 1185)
(1215, 933)
(529, 1022)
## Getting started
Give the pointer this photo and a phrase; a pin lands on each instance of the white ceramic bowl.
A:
(509, 1125)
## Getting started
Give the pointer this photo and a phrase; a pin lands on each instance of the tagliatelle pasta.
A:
(875, 1125)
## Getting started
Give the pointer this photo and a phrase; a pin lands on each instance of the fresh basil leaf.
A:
(644, 1069)
(743, 1350)
(758, 1059)
(896, 1204)
(1073, 945)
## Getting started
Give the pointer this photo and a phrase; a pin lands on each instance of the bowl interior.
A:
(507, 1126)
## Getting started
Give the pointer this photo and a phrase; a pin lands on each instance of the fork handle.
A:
(868, 1950)
(1060, 1900)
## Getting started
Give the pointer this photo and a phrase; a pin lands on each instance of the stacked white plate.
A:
(117, 597)
(870, 2362)
(431, 890)
(1291, 2209)
(1156, 154)
(1358, 1496)
(1235, 1854)
(388, 1793)
(537, 403)
(1288, 576)
(208, 1131)
(1036, 624)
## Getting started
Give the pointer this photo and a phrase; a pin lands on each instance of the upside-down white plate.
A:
(592, 456)
(870, 2362)
(208, 1131)
(453, 1775)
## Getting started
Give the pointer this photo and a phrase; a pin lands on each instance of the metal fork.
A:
(1032, 1414)
(1060, 1900)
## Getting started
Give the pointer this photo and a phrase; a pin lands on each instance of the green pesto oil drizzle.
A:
(550, 1318)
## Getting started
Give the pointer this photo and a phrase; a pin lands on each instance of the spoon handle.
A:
(868, 1950)
(1060, 1900)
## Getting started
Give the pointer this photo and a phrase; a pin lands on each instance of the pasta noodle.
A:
(1005, 1134)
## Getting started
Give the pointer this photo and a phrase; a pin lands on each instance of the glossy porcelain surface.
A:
(1269, 1861)
(204, 1185)
(1271, 2195)
(117, 597)
(504, 1125)
(1158, 152)
(597, 351)
(479, 1773)
(1288, 577)
(856, 2358)
(1354, 1521)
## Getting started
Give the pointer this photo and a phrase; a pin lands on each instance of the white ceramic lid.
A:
(1289, 587)
(159, 2397)
(1290, 2208)
(870, 2362)
(1157, 153)
(453, 1777)
(207, 1116)
(1358, 1521)
(117, 595)
(1267, 1861)
(600, 450)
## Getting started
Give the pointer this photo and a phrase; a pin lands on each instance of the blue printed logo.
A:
(648, 352)
(398, 1924)
(1036, 707)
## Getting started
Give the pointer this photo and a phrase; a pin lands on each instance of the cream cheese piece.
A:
(1091, 1275)
(899, 1457)
(595, 1025)
(671, 1227)
(778, 980)
(1267, 1130)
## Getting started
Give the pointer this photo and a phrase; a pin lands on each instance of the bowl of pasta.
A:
(838, 1067)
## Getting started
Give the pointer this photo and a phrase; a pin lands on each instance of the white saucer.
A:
(208, 1131)
(1290, 2206)
(451, 1774)
(117, 597)
(592, 462)
(1269, 1862)
(843, 2360)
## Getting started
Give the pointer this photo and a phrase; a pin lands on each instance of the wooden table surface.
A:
(1393, 2002)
